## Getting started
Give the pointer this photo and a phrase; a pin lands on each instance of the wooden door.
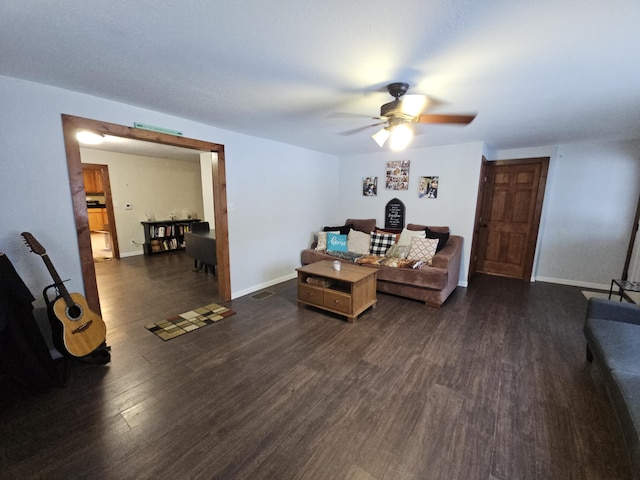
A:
(507, 227)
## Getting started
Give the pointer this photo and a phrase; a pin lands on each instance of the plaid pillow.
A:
(380, 243)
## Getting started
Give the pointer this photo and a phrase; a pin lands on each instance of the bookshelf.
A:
(165, 235)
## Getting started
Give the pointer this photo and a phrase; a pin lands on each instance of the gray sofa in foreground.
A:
(612, 330)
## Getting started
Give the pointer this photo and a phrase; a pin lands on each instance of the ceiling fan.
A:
(399, 115)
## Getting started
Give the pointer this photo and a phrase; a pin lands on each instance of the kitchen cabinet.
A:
(92, 181)
(97, 218)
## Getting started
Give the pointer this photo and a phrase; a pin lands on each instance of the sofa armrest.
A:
(450, 252)
(450, 257)
(613, 310)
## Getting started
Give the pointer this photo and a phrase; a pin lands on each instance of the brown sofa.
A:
(431, 284)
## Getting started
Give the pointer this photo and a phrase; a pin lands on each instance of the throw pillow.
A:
(383, 232)
(407, 235)
(423, 249)
(343, 229)
(398, 251)
(358, 242)
(336, 242)
(321, 241)
(380, 243)
(442, 237)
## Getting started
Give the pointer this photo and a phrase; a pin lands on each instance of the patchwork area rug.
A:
(189, 321)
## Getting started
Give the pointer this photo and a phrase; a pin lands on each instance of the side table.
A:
(623, 286)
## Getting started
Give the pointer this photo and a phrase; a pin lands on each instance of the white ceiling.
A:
(537, 72)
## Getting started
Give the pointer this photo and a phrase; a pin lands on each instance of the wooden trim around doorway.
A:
(71, 125)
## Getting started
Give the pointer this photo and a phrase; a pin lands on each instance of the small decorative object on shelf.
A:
(165, 235)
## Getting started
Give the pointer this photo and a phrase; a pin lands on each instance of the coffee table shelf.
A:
(348, 291)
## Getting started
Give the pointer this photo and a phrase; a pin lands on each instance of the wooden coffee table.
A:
(348, 291)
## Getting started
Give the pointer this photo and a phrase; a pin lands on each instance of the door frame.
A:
(533, 241)
(70, 125)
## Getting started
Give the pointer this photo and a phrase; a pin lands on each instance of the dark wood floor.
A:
(493, 386)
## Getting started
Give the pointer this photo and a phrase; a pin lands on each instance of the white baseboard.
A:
(574, 283)
(131, 254)
(250, 290)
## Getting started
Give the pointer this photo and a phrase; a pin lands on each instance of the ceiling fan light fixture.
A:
(381, 136)
(401, 137)
(89, 138)
(412, 105)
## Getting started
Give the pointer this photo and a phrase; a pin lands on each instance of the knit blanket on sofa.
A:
(377, 260)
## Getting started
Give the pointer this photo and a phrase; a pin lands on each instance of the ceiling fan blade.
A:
(352, 115)
(360, 129)
(459, 119)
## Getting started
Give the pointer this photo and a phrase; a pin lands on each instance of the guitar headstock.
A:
(33, 244)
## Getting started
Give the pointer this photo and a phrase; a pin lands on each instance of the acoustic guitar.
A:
(77, 330)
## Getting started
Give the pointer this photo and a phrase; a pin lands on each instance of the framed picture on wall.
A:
(428, 187)
(370, 186)
(397, 175)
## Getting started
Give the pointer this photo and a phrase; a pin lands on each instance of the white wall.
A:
(279, 192)
(279, 195)
(458, 167)
(156, 185)
(589, 206)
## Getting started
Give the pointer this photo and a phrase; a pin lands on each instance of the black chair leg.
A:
(589, 354)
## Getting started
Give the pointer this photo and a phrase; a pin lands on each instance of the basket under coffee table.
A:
(348, 291)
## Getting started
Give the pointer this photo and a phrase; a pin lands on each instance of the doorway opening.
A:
(71, 125)
(102, 225)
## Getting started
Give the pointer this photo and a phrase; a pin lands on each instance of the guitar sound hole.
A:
(74, 312)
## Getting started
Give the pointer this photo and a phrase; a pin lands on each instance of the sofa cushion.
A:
(615, 344)
(407, 235)
(321, 241)
(386, 232)
(442, 237)
(362, 225)
(415, 226)
(342, 229)
(398, 251)
(380, 243)
(422, 249)
(358, 242)
(626, 399)
(336, 242)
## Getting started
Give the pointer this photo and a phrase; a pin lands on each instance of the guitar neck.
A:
(57, 280)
